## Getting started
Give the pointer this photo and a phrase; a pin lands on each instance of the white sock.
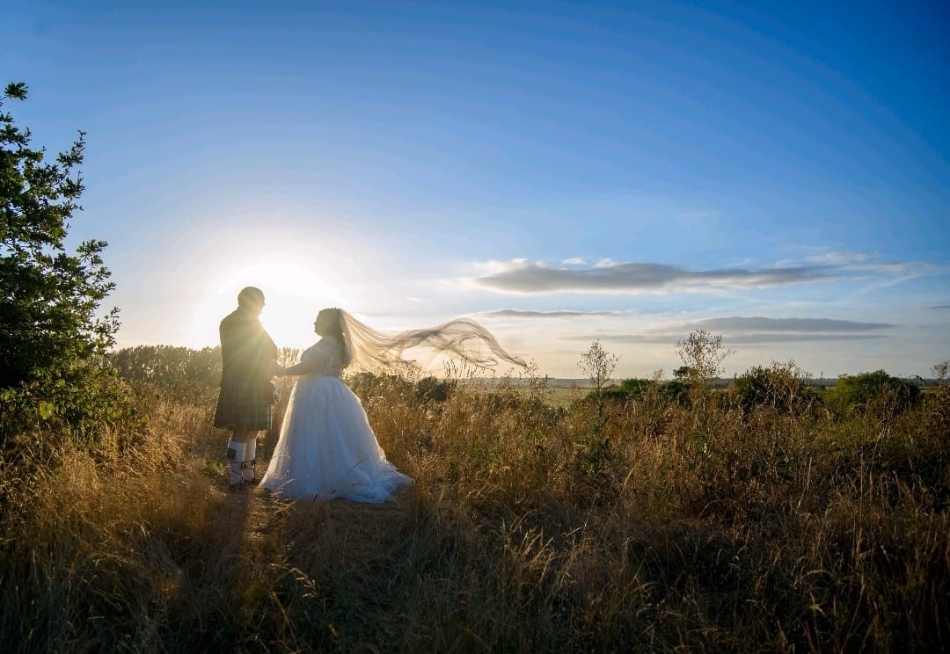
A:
(249, 453)
(236, 455)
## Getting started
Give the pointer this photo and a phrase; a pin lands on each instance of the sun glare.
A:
(294, 294)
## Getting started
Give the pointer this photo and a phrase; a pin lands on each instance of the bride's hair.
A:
(331, 323)
(367, 350)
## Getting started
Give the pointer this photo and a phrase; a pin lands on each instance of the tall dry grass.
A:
(672, 528)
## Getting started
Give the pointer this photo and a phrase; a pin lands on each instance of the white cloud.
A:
(754, 330)
(735, 339)
(610, 277)
(805, 325)
(495, 267)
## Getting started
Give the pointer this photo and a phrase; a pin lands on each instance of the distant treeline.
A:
(782, 386)
(181, 372)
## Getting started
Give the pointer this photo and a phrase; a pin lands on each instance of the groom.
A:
(249, 362)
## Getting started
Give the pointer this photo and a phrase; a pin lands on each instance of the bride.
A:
(327, 448)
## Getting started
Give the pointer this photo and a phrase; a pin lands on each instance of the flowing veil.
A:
(368, 350)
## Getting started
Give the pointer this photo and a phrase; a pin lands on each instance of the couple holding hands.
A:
(326, 447)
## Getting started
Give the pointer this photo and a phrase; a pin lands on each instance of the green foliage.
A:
(48, 298)
(432, 389)
(174, 372)
(179, 373)
(422, 391)
(781, 386)
(872, 390)
(674, 390)
(683, 373)
(51, 341)
(85, 398)
(636, 387)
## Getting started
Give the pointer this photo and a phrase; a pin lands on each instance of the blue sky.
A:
(778, 173)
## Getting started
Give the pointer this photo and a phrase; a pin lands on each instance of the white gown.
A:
(327, 448)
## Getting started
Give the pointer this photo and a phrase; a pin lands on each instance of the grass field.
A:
(535, 524)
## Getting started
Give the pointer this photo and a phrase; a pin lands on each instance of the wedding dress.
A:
(327, 448)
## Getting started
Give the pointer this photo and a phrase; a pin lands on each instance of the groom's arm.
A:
(302, 368)
(313, 361)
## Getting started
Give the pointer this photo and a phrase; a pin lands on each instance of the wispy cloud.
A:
(838, 258)
(903, 268)
(871, 262)
(517, 313)
(610, 277)
(806, 325)
(735, 339)
(938, 307)
(756, 330)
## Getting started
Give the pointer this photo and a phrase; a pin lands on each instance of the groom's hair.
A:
(250, 295)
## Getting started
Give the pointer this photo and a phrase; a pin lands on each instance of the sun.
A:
(294, 293)
(286, 278)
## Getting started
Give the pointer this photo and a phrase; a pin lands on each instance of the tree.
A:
(682, 373)
(595, 456)
(703, 354)
(599, 365)
(53, 372)
(48, 298)
(941, 372)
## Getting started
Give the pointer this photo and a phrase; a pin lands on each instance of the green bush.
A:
(674, 390)
(782, 387)
(51, 340)
(174, 372)
(872, 390)
(432, 389)
(86, 399)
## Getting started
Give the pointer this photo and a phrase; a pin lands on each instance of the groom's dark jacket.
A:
(247, 351)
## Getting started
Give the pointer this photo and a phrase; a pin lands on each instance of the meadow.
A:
(541, 520)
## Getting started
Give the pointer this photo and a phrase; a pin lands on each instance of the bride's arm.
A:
(312, 361)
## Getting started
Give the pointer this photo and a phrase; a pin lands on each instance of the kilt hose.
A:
(244, 407)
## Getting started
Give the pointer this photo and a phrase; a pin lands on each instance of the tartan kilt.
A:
(243, 407)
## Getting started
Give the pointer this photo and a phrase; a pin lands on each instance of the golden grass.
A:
(523, 532)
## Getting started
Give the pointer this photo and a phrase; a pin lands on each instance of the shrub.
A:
(872, 390)
(86, 398)
(174, 372)
(432, 389)
(782, 386)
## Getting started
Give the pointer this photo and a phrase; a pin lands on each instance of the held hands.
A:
(277, 370)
